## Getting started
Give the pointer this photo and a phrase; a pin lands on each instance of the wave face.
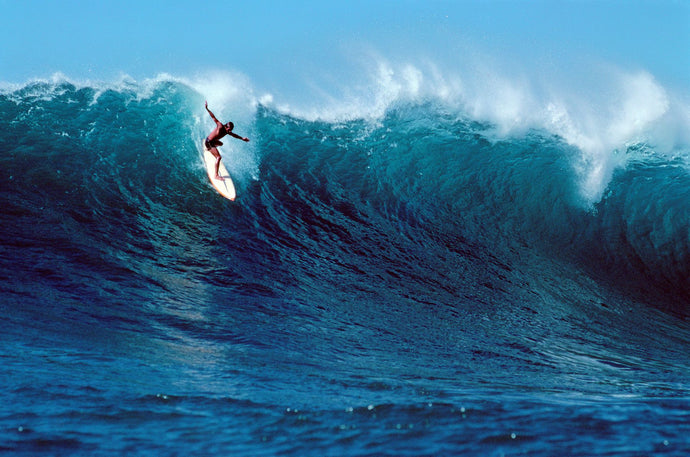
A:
(379, 282)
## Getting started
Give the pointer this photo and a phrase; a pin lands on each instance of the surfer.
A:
(212, 141)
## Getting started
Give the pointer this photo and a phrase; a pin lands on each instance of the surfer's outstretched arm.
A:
(233, 134)
(212, 116)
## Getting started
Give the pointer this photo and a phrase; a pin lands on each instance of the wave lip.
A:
(602, 113)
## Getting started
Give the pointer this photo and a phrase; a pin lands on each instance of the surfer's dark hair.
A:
(230, 125)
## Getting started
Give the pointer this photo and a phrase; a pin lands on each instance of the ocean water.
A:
(419, 277)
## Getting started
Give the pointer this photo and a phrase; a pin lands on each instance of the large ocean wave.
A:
(113, 165)
(415, 266)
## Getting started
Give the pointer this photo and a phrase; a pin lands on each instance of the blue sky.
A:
(276, 43)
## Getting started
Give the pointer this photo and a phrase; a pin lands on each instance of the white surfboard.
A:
(225, 187)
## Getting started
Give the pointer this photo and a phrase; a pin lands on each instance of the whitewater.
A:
(419, 262)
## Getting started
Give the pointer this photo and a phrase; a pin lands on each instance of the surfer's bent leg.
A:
(218, 165)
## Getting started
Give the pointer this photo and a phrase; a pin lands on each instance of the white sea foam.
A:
(604, 123)
(602, 113)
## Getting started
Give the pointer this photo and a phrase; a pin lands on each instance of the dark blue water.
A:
(412, 284)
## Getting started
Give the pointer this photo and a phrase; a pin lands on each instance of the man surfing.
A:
(212, 141)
